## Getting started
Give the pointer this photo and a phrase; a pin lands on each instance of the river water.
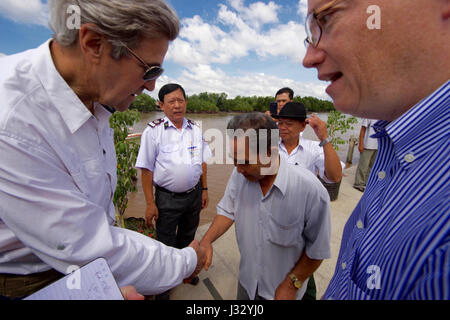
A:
(219, 122)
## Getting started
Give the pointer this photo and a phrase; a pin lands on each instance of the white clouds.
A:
(28, 12)
(258, 13)
(201, 42)
(238, 33)
(204, 78)
(302, 8)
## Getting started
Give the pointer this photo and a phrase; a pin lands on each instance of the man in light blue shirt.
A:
(281, 215)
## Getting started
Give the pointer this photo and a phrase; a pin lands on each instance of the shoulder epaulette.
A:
(156, 123)
(192, 123)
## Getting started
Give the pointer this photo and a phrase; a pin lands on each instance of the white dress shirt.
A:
(273, 231)
(57, 178)
(308, 154)
(174, 156)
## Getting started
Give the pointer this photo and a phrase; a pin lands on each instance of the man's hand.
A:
(205, 199)
(319, 126)
(286, 290)
(201, 258)
(130, 293)
(208, 253)
(151, 212)
(361, 147)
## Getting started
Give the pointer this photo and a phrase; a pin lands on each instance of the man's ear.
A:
(92, 43)
(161, 105)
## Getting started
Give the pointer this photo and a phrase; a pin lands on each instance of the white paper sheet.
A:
(93, 281)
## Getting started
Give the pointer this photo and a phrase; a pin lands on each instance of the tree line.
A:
(219, 102)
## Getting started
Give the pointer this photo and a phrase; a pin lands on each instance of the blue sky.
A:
(241, 47)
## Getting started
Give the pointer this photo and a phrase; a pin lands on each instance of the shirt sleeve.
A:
(317, 230)
(49, 213)
(147, 152)
(365, 123)
(206, 150)
(227, 205)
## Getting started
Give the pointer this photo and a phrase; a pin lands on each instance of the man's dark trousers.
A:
(179, 216)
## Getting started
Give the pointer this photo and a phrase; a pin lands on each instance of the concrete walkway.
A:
(220, 281)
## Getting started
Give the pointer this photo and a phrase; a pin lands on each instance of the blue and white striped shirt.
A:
(396, 244)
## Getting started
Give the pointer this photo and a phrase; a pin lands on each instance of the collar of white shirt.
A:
(72, 110)
(185, 125)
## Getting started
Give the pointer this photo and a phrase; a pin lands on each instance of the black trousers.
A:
(179, 216)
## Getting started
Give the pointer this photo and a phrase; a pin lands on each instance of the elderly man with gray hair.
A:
(58, 164)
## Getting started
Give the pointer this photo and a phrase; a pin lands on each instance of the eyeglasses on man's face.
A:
(316, 21)
(151, 72)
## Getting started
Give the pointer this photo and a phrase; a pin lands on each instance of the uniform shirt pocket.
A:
(171, 153)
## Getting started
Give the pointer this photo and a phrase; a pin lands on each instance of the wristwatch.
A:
(324, 142)
(295, 281)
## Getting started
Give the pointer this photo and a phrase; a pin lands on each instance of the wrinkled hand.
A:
(130, 293)
(205, 199)
(201, 258)
(319, 126)
(286, 291)
(151, 213)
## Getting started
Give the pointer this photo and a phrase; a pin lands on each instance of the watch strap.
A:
(324, 142)
(295, 281)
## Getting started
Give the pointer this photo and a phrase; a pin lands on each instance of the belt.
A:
(14, 286)
(177, 193)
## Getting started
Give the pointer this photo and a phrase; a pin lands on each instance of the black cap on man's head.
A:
(292, 110)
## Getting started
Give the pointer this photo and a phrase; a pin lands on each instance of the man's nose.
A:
(150, 85)
(314, 57)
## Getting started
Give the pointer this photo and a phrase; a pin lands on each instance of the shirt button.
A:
(343, 265)
(381, 175)
(410, 158)
(360, 224)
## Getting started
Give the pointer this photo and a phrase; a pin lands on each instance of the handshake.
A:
(204, 253)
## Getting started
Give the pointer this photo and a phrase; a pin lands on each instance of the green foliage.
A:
(126, 151)
(144, 103)
(218, 102)
(139, 225)
(338, 124)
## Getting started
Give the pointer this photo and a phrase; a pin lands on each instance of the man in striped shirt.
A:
(389, 60)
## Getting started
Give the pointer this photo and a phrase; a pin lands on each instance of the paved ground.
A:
(220, 282)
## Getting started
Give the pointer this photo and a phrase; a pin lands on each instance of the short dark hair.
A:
(169, 88)
(258, 122)
(287, 90)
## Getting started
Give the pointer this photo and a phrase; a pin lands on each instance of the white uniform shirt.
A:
(309, 155)
(369, 143)
(273, 231)
(174, 156)
(57, 176)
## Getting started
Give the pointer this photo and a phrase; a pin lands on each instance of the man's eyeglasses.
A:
(314, 23)
(151, 72)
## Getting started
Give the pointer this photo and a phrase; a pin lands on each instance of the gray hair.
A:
(123, 22)
(258, 127)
